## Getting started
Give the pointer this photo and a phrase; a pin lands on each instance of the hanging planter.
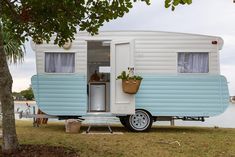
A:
(131, 84)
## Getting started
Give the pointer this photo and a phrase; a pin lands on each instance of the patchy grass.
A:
(160, 141)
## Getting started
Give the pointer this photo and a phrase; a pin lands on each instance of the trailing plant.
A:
(136, 77)
(125, 76)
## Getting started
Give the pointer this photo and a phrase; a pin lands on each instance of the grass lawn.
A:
(160, 141)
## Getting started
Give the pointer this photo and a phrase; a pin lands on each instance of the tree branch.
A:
(14, 13)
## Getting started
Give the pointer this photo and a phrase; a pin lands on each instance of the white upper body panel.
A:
(154, 52)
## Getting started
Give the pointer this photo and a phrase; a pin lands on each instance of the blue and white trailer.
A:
(181, 77)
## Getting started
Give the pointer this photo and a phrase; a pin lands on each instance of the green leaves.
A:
(125, 76)
(28, 94)
(174, 3)
(13, 49)
(167, 3)
(187, 1)
(42, 19)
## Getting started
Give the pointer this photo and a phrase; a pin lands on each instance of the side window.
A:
(59, 62)
(193, 62)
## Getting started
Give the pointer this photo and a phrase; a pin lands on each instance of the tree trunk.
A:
(10, 141)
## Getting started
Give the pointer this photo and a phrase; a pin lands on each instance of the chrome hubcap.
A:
(140, 120)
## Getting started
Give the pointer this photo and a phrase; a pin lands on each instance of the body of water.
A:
(225, 120)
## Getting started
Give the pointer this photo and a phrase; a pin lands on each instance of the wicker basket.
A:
(130, 86)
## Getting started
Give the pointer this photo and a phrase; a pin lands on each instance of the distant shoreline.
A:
(34, 102)
(24, 102)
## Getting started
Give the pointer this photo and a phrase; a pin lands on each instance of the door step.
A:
(99, 120)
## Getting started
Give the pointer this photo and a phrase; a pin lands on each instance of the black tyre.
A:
(123, 120)
(140, 121)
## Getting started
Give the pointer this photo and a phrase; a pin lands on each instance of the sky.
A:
(208, 17)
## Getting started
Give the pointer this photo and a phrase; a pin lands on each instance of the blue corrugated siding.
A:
(162, 95)
(60, 94)
(183, 95)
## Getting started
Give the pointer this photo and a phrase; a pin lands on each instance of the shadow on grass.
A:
(158, 129)
(175, 129)
(115, 128)
(60, 127)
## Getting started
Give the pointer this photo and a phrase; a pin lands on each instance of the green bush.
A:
(28, 94)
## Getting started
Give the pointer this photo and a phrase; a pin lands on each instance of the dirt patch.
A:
(44, 151)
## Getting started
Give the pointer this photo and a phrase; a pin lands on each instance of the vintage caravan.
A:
(181, 77)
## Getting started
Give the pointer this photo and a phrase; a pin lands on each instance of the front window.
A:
(193, 62)
(59, 62)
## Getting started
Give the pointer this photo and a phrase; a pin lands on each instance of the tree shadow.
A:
(60, 127)
(180, 129)
(104, 128)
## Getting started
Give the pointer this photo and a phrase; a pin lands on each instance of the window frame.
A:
(60, 52)
(177, 62)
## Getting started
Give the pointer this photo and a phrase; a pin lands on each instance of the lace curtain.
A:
(59, 62)
(193, 62)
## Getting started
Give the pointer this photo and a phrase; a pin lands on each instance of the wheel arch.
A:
(145, 111)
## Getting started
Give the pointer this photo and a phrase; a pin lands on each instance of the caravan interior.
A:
(98, 76)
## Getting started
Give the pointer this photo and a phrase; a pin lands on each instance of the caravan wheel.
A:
(140, 121)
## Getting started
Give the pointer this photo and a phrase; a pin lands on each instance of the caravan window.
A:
(193, 62)
(59, 62)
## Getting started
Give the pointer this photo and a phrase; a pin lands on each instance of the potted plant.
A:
(130, 84)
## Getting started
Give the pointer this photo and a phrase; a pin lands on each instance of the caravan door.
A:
(122, 57)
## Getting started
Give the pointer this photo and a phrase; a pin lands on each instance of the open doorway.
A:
(98, 76)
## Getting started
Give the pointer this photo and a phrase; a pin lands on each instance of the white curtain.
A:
(59, 62)
(193, 62)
